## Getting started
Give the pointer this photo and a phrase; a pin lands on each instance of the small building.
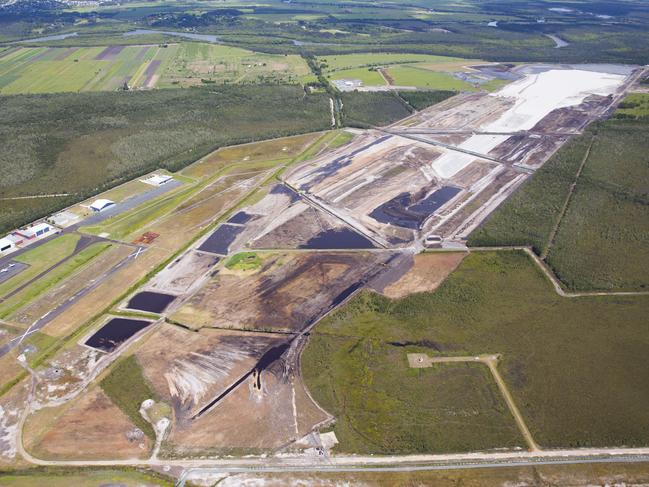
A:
(38, 230)
(157, 179)
(64, 218)
(101, 204)
(6, 245)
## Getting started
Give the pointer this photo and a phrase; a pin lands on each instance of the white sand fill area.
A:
(536, 96)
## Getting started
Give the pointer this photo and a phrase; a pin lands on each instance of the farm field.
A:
(602, 237)
(112, 67)
(195, 63)
(57, 69)
(574, 384)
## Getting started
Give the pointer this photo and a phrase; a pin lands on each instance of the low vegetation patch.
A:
(244, 261)
(574, 366)
(126, 386)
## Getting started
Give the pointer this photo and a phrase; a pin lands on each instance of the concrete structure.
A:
(157, 179)
(38, 230)
(101, 204)
(64, 218)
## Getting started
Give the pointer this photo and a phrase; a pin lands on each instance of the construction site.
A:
(223, 274)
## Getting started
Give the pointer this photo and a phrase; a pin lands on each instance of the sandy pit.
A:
(427, 273)
(534, 97)
(188, 369)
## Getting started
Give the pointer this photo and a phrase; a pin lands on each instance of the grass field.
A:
(348, 61)
(195, 62)
(128, 134)
(40, 259)
(128, 389)
(367, 76)
(415, 75)
(634, 105)
(575, 367)
(602, 242)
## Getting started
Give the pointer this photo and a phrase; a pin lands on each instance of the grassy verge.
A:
(574, 366)
(126, 386)
(83, 477)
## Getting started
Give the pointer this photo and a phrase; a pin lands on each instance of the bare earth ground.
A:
(428, 272)
(285, 294)
(85, 428)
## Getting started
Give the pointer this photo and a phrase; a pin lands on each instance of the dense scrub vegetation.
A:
(81, 143)
(602, 242)
(575, 385)
(367, 109)
(423, 99)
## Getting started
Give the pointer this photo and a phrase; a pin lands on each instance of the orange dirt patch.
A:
(428, 272)
(91, 427)
(146, 238)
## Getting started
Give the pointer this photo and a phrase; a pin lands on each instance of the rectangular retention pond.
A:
(150, 301)
(219, 242)
(115, 332)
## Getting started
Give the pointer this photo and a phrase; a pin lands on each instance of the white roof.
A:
(157, 179)
(6, 241)
(101, 203)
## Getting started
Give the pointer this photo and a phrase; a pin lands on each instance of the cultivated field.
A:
(115, 67)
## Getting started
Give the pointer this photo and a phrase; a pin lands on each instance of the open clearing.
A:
(571, 365)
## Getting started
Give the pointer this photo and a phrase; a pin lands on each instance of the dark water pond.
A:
(241, 217)
(150, 301)
(115, 332)
(343, 238)
(219, 242)
(403, 212)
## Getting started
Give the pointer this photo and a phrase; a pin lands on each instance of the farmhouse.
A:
(101, 204)
(157, 179)
(38, 230)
